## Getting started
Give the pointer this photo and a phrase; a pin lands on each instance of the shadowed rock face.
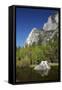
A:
(50, 28)
(43, 68)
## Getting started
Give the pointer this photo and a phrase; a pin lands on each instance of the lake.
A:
(29, 74)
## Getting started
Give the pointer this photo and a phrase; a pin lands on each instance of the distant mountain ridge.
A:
(42, 36)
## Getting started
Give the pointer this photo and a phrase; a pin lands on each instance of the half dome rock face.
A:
(43, 36)
(52, 23)
(33, 37)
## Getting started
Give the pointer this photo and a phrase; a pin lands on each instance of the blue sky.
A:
(26, 19)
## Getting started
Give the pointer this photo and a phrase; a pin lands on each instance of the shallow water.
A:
(29, 74)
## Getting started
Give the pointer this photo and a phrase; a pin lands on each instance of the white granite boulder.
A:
(43, 68)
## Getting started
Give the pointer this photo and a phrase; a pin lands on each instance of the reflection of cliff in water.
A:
(43, 72)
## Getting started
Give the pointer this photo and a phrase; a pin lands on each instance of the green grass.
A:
(35, 54)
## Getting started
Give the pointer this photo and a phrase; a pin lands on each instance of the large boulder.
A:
(43, 68)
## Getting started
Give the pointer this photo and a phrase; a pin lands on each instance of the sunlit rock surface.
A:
(52, 23)
(33, 37)
(43, 68)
